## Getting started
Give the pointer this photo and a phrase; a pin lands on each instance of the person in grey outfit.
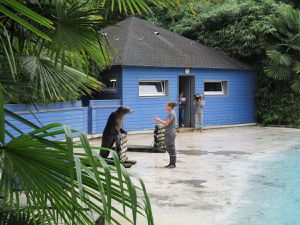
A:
(199, 105)
(170, 133)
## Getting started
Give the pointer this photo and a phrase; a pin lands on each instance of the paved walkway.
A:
(212, 171)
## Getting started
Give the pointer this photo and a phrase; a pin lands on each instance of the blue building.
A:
(151, 66)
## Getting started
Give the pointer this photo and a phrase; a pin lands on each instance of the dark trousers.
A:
(170, 146)
(182, 116)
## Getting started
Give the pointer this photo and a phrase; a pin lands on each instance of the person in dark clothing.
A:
(170, 133)
(182, 106)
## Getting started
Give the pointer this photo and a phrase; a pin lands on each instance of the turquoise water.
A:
(274, 194)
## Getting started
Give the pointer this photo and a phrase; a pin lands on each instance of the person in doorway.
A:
(170, 133)
(199, 106)
(182, 106)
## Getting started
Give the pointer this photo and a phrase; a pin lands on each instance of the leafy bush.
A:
(276, 102)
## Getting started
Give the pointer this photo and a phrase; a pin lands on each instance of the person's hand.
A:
(157, 119)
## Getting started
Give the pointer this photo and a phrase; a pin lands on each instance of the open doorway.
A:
(187, 86)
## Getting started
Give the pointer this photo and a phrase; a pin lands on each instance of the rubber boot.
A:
(172, 162)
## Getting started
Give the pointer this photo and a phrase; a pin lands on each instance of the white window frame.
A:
(163, 83)
(224, 85)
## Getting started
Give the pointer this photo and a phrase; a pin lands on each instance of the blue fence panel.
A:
(71, 114)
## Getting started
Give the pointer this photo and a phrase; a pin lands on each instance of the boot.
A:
(172, 162)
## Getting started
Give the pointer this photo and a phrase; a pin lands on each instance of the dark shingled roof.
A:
(139, 43)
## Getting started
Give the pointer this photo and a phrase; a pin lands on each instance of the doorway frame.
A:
(192, 91)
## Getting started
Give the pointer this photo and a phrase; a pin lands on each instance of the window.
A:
(152, 88)
(215, 87)
(111, 85)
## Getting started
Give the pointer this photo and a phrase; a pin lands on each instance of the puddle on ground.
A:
(294, 147)
(223, 153)
(195, 183)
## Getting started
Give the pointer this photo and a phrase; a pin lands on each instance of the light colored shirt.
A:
(199, 106)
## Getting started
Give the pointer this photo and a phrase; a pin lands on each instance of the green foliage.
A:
(37, 65)
(236, 27)
(276, 102)
(250, 30)
(57, 183)
(283, 59)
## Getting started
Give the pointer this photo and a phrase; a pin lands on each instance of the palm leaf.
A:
(297, 67)
(75, 32)
(296, 85)
(45, 172)
(277, 71)
(7, 47)
(134, 6)
(25, 11)
(56, 83)
(14, 218)
(279, 58)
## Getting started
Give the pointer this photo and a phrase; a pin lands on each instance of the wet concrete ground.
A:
(214, 169)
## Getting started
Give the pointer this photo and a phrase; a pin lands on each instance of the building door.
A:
(187, 86)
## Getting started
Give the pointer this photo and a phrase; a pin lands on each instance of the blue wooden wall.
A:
(146, 108)
(238, 106)
(72, 114)
(235, 108)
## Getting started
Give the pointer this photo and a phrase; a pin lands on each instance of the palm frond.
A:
(279, 58)
(6, 5)
(296, 85)
(54, 82)
(134, 6)
(56, 182)
(297, 67)
(8, 51)
(14, 218)
(276, 71)
(75, 31)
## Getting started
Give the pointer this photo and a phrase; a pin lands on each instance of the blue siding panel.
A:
(146, 108)
(71, 114)
(235, 108)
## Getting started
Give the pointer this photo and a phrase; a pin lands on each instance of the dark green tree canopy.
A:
(239, 28)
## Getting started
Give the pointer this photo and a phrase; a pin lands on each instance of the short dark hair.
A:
(172, 104)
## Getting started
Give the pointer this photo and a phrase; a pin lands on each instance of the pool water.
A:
(273, 196)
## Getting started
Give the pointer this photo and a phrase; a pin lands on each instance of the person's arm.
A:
(165, 123)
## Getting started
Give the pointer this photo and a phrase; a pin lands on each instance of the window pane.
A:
(213, 86)
(150, 88)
